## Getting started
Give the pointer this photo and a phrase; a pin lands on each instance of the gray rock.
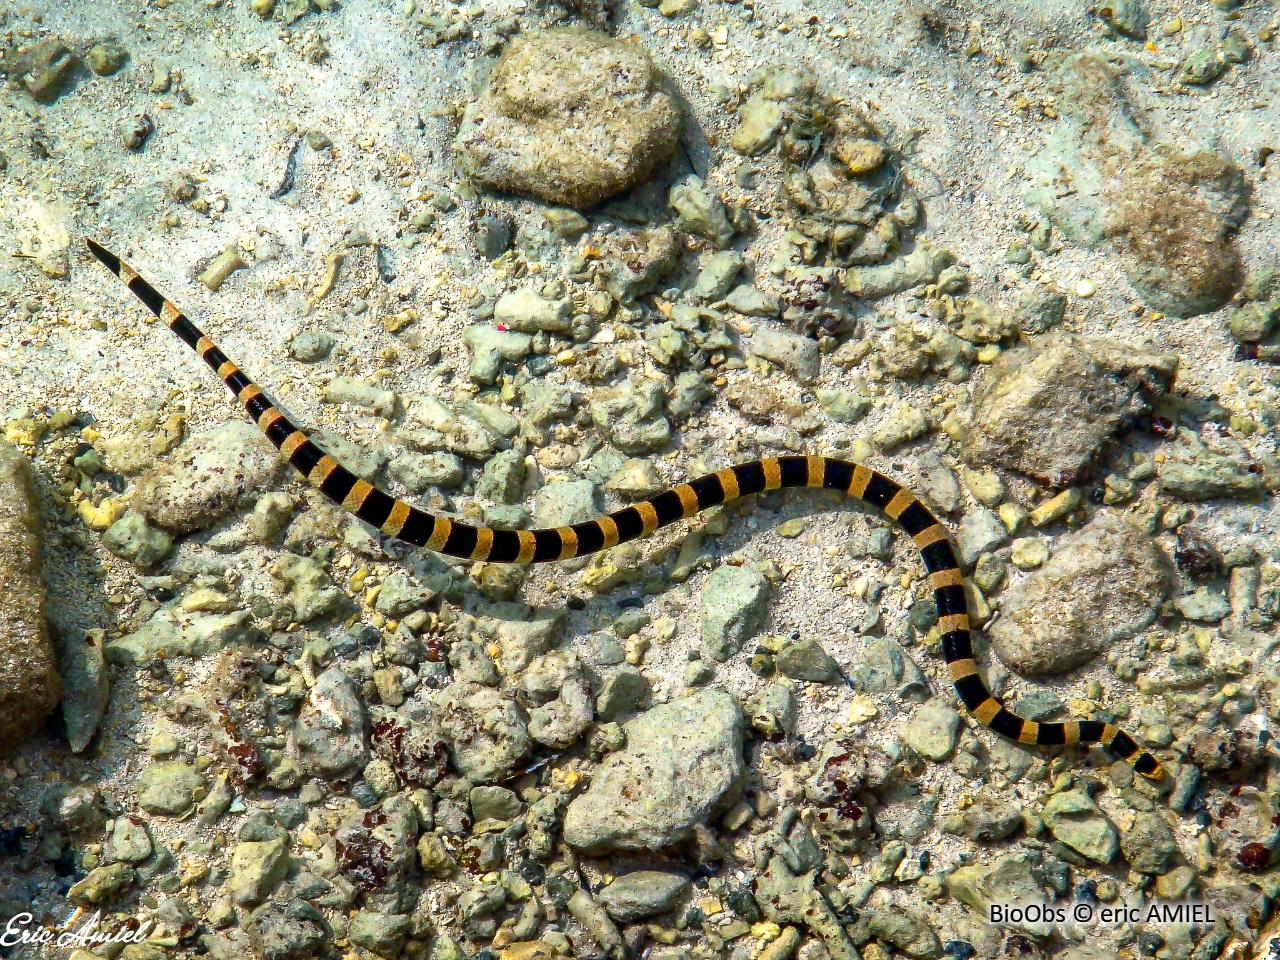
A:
(85, 684)
(171, 788)
(206, 478)
(1074, 819)
(642, 894)
(561, 705)
(932, 730)
(330, 739)
(683, 763)
(485, 731)
(584, 908)
(1203, 604)
(632, 417)
(130, 840)
(362, 394)
(624, 692)
(256, 869)
(716, 275)
(525, 311)
(521, 632)
(174, 633)
(989, 819)
(922, 265)
(842, 406)
(420, 472)
(633, 262)
(565, 503)
(382, 934)
(732, 606)
(701, 212)
(73, 810)
(937, 482)
(292, 930)
(796, 354)
(568, 116)
(311, 590)
(903, 929)
(103, 884)
(400, 596)
(772, 711)
(805, 659)
(635, 480)
(981, 531)
(1149, 843)
(131, 538)
(1128, 17)
(494, 803)
(1194, 471)
(885, 667)
(29, 687)
(904, 423)
(489, 347)
(1046, 408)
(503, 478)
(1018, 878)
(750, 302)
(1102, 584)
(310, 346)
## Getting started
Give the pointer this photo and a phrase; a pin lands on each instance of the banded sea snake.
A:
(395, 518)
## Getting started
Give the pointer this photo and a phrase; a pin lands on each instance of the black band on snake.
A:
(398, 519)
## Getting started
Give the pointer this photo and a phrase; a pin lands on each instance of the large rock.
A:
(1074, 819)
(1046, 408)
(487, 731)
(568, 116)
(1015, 879)
(683, 762)
(28, 678)
(1103, 583)
(207, 478)
(733, 605)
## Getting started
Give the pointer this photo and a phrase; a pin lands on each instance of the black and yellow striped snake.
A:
(395, 518)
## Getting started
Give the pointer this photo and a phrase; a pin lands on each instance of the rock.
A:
(584, 908)
(292, 930)
(103, 884)
(420, 472)
(1046, 408)
(256, 869)
(73, 810)
(682, 763)
(1103, 584)
(631, 263)
(632, 418)
(130, 840)
(1128, 17)
(29, 687)
(932, 730)
(642, 894)
(732, 606)
(1203, 604)
(717, 273)
(525, 311)
(105, 57)
(489, 347)
(903, 929)
(400, 596)
(170, 789)
(626, 690)
(206, 478)
(382, 934)
(568, 116)
(750, 302)
(565, 503)
(310, 346)
(173, 632)
(520, 631)
(1015, 879)
(989, 819)
(362, 394)
(922, 265)
(330, 739)
(485, 731)
(1074, 819)
(1194, 471)
(494, 803)
(772, 711)
(131, 538)
(1149, 843)
(700, 212)
(980, 532)
(793, 353)
(311, 590)
(635, 480)
(561, 703)
(903, 424)
(43, 68)
(806, 660)
(503, 478)
(85, 685)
